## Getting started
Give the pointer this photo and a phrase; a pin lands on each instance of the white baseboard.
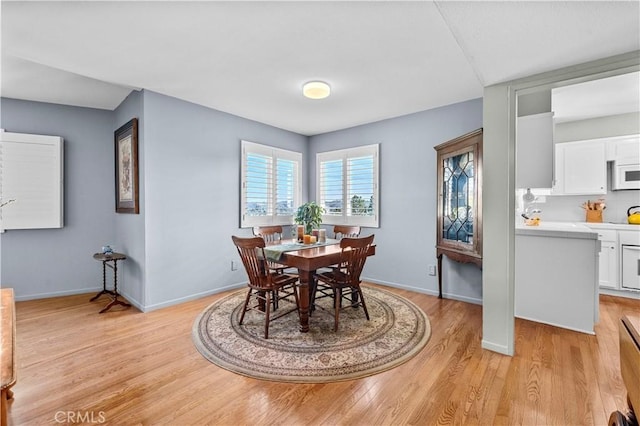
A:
(579, 330)
(140, 306)
(501, 349)
(57, 294)
(629, 294)
(172, 302)
(466, 299)
(132, 300)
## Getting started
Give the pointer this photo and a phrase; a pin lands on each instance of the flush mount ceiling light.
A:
(316, 90)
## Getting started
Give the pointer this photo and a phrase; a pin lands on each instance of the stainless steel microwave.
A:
(626, 173)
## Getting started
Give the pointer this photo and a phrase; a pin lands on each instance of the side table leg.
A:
(104, 283)
(115, 300)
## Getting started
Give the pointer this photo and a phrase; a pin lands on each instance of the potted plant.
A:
(309, 215)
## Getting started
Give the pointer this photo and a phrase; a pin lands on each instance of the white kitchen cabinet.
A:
(608, 259)
(534, 151)
(631, 267)
(630, 259)
(623, 147)
(580, 168)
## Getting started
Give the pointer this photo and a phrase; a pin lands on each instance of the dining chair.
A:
(344, 282)
(269, 233)
(341, 231)
(264, 282)
(273, 234)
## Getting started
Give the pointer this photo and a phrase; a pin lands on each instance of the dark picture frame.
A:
(126, 159)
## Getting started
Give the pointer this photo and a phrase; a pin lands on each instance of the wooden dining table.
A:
(307, 261)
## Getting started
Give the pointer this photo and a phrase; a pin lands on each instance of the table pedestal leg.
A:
(306, 278)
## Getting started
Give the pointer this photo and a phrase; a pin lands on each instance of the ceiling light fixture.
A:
(316, 90)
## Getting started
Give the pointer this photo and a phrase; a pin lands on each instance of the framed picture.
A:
(126, 146)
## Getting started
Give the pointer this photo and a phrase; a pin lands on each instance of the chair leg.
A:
(364, 305)
(337, 295)
(267, 306)
(312, 295)
(275, 299)
(244, 308)
(295, 296)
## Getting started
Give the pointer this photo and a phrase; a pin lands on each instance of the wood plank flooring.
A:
(126, 367)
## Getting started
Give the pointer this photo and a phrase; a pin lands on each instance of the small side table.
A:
(111, 261)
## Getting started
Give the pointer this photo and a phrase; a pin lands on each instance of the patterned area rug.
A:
(397, 331)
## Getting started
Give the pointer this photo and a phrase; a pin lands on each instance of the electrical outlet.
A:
(432, 270)
(234, 265)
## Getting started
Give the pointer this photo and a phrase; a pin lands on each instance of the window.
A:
(271, 185)
(347, 186)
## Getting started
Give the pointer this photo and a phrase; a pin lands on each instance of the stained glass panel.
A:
(458, 198)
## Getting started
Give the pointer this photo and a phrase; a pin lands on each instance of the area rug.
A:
(397, 331)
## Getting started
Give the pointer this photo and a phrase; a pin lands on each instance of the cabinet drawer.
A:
(607, 235)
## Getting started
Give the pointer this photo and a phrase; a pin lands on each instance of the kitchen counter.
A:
(614, 226)
(556, 274)
(558, 230)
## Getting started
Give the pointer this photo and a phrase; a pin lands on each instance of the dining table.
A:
(308, 258)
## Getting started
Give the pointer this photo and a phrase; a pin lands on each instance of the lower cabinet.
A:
(608, 258)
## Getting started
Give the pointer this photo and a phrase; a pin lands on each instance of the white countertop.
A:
(557, 230)
(571, 229)
(609, 225)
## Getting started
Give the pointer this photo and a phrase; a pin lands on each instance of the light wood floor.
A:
(125, 367)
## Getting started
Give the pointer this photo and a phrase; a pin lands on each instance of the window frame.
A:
(274, 154)
(344, 155)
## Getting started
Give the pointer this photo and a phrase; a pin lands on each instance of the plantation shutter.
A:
(347, 184)
(285, 189)
(271, 185)
(331, 187)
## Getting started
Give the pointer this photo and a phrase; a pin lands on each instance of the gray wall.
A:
(178, 247)
(50, 262)
(406, 237)
(129, 229)
(192, 199)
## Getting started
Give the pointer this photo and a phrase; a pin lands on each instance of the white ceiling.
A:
(383, 59)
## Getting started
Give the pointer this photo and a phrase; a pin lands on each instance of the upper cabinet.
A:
(534, 151)
(623, 147)
(580, 168)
